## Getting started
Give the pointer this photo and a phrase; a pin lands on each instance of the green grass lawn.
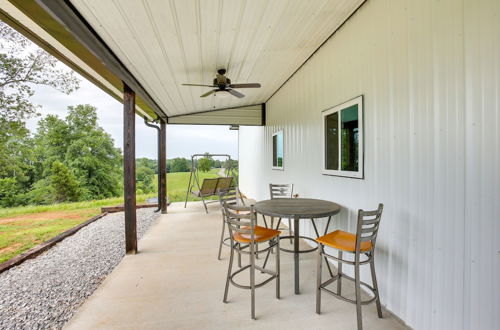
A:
(21, 228)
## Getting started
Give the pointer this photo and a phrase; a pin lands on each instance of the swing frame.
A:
(194, 177)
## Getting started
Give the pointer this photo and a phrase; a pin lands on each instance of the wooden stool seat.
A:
(261, 234)
(342, 240)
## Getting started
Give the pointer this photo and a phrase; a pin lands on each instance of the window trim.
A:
(280, 168)
(349, 174)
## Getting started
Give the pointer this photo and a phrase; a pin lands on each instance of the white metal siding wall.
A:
(430, 74)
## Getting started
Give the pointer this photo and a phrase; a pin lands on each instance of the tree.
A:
(91, 154)
(180, 165)
(81, 145)
(146, 162)
(21, 67)
(216, 163)
(204, 164)
(9, 192)
(51, 144)
(64, 184)
(16, 156)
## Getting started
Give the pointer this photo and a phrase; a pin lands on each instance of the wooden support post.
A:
(129, 169)
(163, 166)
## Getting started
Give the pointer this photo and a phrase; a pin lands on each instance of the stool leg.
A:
(358, 292)
(339, 272)
(278, 268)
(221, 237)
(290, 230)
(239, 255)
(229, 270)
(318, 278)
(375, 286)
(272, 227)
(252, 278)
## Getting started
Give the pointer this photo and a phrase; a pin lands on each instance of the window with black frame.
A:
(343, 139)
(278, 150)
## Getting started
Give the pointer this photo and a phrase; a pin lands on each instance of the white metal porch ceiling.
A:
(167, 43)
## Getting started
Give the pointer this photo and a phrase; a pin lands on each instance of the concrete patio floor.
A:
(176, 282)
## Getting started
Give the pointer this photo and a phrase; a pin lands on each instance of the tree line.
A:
(70, 159)
(181, 164)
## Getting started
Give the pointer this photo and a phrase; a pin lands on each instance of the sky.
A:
(182, 140)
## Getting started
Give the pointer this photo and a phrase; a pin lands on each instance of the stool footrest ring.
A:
(352, 301)
(300, 251)
(273, 275)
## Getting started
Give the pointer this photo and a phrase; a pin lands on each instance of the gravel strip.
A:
(45, 292)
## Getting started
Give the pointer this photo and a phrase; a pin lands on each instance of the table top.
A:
(297, 207)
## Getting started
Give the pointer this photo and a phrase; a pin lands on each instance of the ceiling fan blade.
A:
(198, 85)
(209, 93)
(249, 85)
(235, 93)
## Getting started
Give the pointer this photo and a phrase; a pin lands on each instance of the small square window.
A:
(278, 150)
(343, 139)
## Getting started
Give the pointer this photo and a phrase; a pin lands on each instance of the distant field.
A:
(21, 228)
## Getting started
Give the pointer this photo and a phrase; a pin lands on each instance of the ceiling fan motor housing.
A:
(222, 81)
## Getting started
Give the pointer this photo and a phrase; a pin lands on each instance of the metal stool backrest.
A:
(231, 197)
(242, 223)
(367, 228)
(281, 190)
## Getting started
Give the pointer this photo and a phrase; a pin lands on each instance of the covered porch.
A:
(176, 282)
(425, 143)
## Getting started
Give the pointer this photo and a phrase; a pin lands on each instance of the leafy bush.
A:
(145, 176)
(41, 193)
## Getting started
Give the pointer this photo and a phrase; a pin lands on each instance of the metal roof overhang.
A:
(154, 46)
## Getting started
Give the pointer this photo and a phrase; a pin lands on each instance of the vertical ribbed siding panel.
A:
(482, 208)
(429, 73)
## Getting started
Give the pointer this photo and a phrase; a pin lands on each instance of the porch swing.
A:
(209, 187)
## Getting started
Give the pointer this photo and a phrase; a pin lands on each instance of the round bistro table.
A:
(298, 208)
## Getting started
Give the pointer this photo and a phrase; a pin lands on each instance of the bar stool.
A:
(360, 244)
(244, 233)
(231, 197)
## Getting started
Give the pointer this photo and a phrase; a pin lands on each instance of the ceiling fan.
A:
(223, 86)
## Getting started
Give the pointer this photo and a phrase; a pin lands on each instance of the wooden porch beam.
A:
(162, 171)
(129, 169)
